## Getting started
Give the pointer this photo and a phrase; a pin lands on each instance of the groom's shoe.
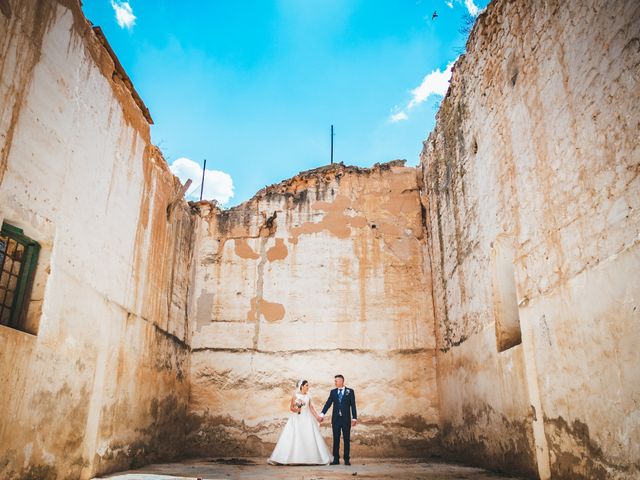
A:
(335, 462)
(347, 462)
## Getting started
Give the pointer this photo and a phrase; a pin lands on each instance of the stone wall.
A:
(532, 192)
(99, 381)
(321, 274)
(486, 303)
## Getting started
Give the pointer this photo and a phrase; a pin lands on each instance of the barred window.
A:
(18, 261)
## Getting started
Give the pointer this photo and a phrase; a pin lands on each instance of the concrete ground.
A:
(253, 469)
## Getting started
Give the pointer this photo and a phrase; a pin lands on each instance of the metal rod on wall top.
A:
(204, 168)
(332, 144)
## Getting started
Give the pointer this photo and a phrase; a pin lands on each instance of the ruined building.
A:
(490, 297)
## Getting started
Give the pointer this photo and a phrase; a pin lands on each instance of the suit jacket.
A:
(347, 407)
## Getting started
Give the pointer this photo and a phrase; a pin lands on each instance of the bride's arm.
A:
(313, 410)
(292, 405)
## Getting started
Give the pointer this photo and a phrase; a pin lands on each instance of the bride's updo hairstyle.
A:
(301, 383)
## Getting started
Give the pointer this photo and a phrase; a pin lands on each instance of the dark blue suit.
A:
(343, 411)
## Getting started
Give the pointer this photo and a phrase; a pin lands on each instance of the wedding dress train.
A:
(300, 442)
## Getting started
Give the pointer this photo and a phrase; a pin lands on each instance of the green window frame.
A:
(18, 262)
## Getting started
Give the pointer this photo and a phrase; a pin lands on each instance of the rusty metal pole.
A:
(332, 144)
(204, 168)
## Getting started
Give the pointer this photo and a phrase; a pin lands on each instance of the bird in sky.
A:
(434, 16)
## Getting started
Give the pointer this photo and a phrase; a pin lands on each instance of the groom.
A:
(344, 406)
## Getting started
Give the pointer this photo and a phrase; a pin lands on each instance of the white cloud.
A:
(472, 7)
(435, 83)
(398, 116)
(217, 185)
(124, 13)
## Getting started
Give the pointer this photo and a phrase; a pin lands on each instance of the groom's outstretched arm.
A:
(327, 405)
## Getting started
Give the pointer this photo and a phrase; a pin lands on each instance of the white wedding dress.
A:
(300, 441)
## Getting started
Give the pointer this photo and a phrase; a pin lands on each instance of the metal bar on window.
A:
(17, 268)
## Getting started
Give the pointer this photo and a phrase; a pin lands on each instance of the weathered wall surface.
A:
(99, 381)
(319, 275)
(534, 165)
(488, 302)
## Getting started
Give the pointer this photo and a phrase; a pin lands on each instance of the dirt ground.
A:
(253, 469)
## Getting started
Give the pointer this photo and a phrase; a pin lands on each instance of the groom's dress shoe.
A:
(335, 462)
(347, 462)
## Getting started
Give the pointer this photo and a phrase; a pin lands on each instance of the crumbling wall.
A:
(99, 381)
(535, 159)
(487, 303)
(319, 275)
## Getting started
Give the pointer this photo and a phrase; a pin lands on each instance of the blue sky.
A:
(253, 86)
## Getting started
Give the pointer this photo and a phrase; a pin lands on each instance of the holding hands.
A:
(320, 419)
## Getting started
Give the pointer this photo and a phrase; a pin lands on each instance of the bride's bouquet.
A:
(299, 405)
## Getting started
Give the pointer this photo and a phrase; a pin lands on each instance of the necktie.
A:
(340, 395)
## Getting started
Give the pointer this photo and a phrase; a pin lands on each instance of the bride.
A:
(300, 441)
